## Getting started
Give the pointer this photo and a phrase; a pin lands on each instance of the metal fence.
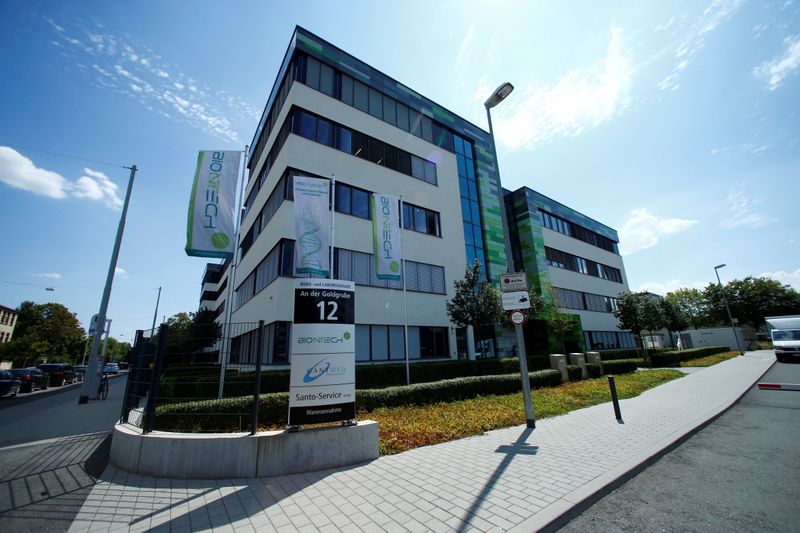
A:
(198, 380)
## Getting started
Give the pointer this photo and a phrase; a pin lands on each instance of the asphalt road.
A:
(52, 451)
(740, 473)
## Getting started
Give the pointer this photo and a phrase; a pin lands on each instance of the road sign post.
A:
(515, 298)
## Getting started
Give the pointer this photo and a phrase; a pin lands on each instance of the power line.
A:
(64, 155)
(51, 286)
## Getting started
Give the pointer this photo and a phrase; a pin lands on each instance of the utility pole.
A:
(91, 382)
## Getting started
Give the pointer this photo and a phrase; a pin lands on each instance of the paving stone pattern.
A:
(509, 479)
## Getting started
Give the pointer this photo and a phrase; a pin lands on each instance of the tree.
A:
(475, 302)
(45, 330)
(562, 324)
(189, 333)
(751, 299)
(674, 318)
(692, 304)
(637, 312)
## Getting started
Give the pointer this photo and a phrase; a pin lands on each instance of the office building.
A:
(332, 116)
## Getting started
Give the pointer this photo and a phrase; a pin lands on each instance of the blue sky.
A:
(674, 122)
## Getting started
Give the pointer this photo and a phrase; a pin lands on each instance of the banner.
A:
(312, 220)
(210, 229)
(386, 236)
(322, 381)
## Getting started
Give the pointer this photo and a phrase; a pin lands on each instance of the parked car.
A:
(123, 365)
(60, 373)
(31, 379)
(9, 385)
(111, 368)
(80, 372)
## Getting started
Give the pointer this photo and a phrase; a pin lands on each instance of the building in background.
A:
(329, 116)
(8, 320)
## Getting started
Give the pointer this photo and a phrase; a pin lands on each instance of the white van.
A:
(785, 337)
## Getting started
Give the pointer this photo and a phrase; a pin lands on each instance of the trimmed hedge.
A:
(594, 370)
(181, 383)
(232, 414)
(574, 372)
(620, 366)
(675, 358)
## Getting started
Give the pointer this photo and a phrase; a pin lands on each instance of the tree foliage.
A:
(475, 302)
(562, 325)
(44, 331)
(750, 300)
(191, 332)
(639, 311)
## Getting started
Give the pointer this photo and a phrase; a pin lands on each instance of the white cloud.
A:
(580, 100)
(743, 210)
(19, 172)
(715, 14)
(48, 275)
(97, 186)
(670, 286)
(121, 272)
(134, 70)
(643, 229)
(789, 278)
(777, 69)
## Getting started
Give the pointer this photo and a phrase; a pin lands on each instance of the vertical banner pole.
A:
(226, 329)
(405, 302)
(333, 201)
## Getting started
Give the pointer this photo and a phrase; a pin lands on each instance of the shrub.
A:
(620, 366)
(670, 358)
(594, 370)
(574, 372)
(614, 355)
(232, 414)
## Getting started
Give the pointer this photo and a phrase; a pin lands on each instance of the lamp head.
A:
(498, 95)
(719, 266)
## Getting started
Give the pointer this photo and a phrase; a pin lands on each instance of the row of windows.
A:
(323, 131)
(609, 340)
(348, 265)
(470, 204)
(373, 343)
(244, 348)
(578, 232)
(584, 300)
(213, 296)
(348, 200)
(559, 259)
(4, 337)
(7, 318)
(352, 92)
(360, 268)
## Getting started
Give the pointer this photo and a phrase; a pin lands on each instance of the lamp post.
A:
(727, 308)
(498, 96)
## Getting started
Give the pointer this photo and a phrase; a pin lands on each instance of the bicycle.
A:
(102, 389)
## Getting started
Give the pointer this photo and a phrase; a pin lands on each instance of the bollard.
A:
(614, 398)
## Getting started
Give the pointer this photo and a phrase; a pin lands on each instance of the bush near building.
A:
(673, 358)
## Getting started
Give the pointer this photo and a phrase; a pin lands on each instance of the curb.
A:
(562, 512)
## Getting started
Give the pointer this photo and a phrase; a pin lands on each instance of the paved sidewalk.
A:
(510, 479)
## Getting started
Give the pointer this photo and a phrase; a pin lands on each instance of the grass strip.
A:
(405, 428)
(710, 360)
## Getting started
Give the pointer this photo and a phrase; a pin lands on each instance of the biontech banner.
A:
(386, 236)
(312, 221)
(210, 229)
(322, 385)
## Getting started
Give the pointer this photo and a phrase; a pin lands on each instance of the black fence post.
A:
(257, 384)
(150, 409)
(614, 398)
(135, 351)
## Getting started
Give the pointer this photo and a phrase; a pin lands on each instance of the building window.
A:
(559, 259)
(576, 231)
(421, 220)
(360, 268)
(352, 201)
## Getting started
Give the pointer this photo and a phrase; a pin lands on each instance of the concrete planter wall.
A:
(238, 455)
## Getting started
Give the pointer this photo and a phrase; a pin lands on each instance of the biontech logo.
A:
(323, 340)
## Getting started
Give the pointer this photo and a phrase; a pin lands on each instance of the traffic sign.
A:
(516, 300)
(518, 318)
(518, 281)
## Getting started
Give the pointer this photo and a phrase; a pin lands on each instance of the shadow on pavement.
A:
(49, 482)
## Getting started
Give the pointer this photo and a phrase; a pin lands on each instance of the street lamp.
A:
(727, 308)
(498, 96)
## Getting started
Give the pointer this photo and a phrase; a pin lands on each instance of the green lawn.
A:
(710, 360)
(404, 428)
